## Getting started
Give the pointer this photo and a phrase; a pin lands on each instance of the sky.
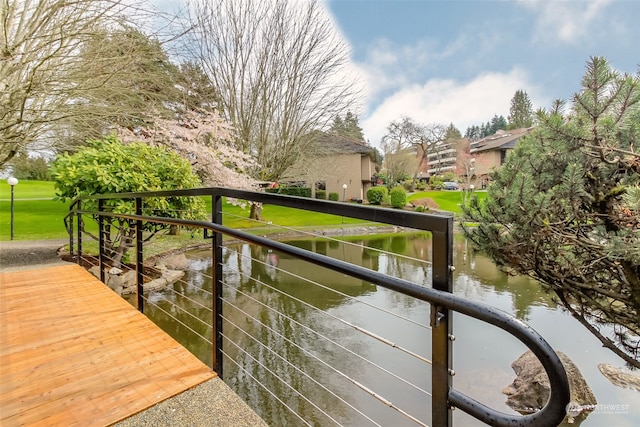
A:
(461, 61)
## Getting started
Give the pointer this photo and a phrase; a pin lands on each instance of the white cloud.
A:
(388, 66)
(447, 101)
(568, 21)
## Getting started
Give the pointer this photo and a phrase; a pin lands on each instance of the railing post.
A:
(71, 235)
(139, 258)
(101, 239)
(441, 329)
(79, 233)
(216, 217)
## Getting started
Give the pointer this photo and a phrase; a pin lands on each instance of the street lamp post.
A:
(344, 192)
(12, 182)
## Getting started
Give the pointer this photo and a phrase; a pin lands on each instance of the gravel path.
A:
(30, 254)
(212, 403)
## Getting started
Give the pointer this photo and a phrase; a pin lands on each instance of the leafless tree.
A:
(407, 144)
(279, 69)
(429, 138)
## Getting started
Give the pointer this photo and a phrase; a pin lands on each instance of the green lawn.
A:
(446, 200)
(27, 190)
(43, 219)
(237, 217)
(33, 219)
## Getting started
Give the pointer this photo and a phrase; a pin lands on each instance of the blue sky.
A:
(459, 61)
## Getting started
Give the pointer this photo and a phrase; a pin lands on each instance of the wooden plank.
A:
(72, 352)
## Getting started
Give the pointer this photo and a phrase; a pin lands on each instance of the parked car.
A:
(448, 185)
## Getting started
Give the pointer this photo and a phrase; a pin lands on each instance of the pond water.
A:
(482, 354)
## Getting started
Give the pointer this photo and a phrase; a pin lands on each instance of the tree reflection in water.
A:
(273, 299)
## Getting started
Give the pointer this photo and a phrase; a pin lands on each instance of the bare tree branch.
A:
(279, 69)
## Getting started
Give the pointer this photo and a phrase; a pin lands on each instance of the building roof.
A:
(501, 140)
(330, 143)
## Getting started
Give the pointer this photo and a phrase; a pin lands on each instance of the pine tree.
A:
(497, 123)
(337, 126)
(565, 207)
(347, 127)
(453, 132)
(521, 111)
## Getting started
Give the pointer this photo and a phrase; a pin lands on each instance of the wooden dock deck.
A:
(72, 352)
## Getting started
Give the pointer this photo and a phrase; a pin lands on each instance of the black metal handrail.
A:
(440, 296)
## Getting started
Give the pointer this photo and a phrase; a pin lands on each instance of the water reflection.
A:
(476, 273)
(283, 330)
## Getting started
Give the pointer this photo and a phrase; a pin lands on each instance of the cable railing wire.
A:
(337, 344)
(168, 288)
(232, 360)
(327, 365)
(319, 384)
(331, 239)
(342, 294)
(149, 302)
(278, 377)
(191, 315)
(183, 296)
(382, 399)
(351, 325)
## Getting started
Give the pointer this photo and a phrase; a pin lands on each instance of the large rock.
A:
(129, 285)
(620, 377)
(168, 277)
(530, 389)
(112, 278)
(175, 262)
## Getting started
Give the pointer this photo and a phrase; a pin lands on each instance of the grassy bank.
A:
(446, 200)
(38, 216)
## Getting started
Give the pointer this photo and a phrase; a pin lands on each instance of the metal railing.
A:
(444, 397)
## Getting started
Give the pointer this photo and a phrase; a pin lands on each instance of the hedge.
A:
(376, 195)
(398, 197)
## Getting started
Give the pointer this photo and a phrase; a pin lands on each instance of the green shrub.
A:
(321, 194)
(377, 195)
(419, 208)
(108, 166)
(334, 197)
(398, 197)
(435, 182)
(301, 192)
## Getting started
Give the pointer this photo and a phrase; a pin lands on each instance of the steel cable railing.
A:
(342, 347)
(442, 302)
(297, 369)
(342, 294)
(345, 322)
(256, 381)
(183, 324)
(286, 384)
(326, 364)
(270, 224)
